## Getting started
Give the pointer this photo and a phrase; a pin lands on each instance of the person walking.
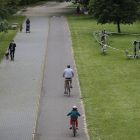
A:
(12, 49)
(78, 8)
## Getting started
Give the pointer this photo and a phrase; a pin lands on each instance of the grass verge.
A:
(5, 38)
(109, 83)
(36, 3)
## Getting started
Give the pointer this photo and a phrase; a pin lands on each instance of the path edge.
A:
(41, 84)
(81, 101)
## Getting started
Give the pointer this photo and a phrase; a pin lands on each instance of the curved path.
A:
(21, 80)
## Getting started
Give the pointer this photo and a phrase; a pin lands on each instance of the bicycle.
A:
(74, 127)
(68, 88)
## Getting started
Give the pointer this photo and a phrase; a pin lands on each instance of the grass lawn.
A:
(5, 38)
(37, 3)
(110, 83)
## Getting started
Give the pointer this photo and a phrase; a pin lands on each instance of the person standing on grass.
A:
(78, 8)
(12, 49)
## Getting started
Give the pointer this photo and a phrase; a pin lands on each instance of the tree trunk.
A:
(118, 24)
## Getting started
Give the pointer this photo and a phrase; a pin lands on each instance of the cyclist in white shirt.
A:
(68, 74)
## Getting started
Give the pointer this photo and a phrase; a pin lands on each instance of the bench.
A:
(85, 13)
(14, 26)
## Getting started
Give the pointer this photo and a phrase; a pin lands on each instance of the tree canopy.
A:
(116, 11)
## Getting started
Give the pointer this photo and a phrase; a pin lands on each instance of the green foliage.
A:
(8, 7)
(36, 3)
(85, 3)
(4, 26)
(26, 2)
(119, 11)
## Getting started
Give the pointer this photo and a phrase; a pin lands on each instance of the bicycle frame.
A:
(68, 88)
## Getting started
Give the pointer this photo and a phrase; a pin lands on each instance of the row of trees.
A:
(24, 2)
(8, 7)
(112, 11)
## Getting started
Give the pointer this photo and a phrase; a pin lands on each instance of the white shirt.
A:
(68, 73)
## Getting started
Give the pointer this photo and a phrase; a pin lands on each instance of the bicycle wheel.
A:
(68, 89)
(73, 127)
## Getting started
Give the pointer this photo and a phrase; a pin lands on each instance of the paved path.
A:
(21, 81)
(53, 124)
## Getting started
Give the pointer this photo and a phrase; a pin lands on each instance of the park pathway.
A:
(21, 80)
(53, 123)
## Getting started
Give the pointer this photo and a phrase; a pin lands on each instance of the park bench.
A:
(14, 26)
(85, 13)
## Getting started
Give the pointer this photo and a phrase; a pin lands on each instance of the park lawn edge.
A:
(111, 107)
(5, 38)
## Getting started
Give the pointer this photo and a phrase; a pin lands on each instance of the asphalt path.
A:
(21, 81)
(52, 122)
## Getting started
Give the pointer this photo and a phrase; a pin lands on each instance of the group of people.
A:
(12, 45)
(27, 23)
(68, 74)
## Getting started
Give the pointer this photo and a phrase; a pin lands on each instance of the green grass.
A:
(109, 83)
(5, 38)
(74, 5)
(37, 3)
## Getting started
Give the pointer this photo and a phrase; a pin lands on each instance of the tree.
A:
(116, 11)
(85, 3)
(8, 7)
(4, 26)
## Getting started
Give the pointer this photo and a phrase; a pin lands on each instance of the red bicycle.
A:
(74, 127)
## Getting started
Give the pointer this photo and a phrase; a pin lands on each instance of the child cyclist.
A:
(74, 116)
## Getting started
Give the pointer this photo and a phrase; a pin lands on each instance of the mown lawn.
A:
(36, 3)
(5, 38)
(110, 83)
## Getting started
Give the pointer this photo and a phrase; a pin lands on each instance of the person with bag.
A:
(78, 8)
(12, 49)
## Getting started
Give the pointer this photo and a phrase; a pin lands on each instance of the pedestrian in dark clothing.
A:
(12, 49)
(78, 10)
(27, 21)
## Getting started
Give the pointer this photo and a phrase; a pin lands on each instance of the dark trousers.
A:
(78, 13)
(12, 54)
